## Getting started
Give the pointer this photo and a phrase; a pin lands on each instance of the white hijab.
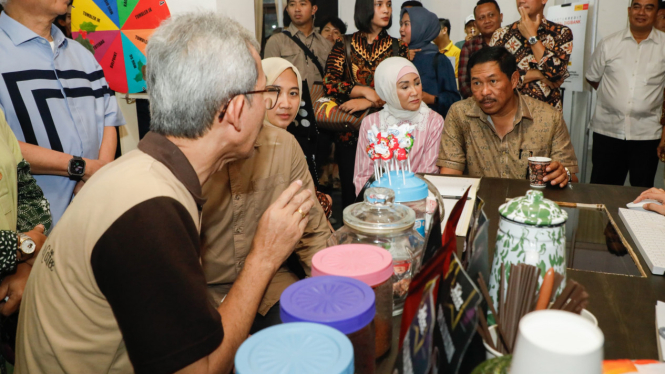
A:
(386, 76)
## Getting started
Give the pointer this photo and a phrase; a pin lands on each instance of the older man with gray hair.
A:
(118, 286)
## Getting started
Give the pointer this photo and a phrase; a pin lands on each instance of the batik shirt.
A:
(558, 42)
(364, 60)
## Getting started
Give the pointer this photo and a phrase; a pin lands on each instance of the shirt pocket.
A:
(290, 52)
(654, 74)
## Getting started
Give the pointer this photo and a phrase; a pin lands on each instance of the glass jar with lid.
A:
(379, 221)
(371, 265)
(343, 303)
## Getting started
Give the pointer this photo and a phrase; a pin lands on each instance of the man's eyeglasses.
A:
(270, 95)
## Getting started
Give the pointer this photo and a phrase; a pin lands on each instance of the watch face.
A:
(77, 167)
(28, 246)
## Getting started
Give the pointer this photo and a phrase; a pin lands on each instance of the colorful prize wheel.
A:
(118, 32)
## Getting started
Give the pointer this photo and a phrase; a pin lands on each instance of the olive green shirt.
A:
(470, 142)
(10, 156)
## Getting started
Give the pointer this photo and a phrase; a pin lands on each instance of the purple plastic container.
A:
(345, 304)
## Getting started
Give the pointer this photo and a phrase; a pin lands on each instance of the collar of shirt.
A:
(294, 31)
(523, 112)
(20, 34)
(627, 34)
(163, 150)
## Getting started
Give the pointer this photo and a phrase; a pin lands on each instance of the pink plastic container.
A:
(371, 265)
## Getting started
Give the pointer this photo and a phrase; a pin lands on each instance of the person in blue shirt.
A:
(56, 100)
(418, 28)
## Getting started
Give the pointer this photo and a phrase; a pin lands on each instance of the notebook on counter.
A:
(451, 190)
(648, 232)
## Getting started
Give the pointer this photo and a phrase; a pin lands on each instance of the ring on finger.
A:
(303, 214)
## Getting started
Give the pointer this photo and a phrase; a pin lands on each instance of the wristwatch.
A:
(26, 247)
(76, 168)
(533, 40)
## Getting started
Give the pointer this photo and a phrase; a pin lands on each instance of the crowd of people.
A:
(166, 259)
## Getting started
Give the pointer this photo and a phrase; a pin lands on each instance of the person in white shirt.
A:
(628, 71)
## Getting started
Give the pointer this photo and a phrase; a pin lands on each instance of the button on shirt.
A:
(54, 99)
(632, 79)
(282, 46)
(470, 143)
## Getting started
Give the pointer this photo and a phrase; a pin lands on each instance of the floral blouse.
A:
(365, 58)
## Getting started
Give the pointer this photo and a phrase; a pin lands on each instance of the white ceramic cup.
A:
(555, 342)
(491, 353)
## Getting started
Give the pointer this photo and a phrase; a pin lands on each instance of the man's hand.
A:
(12, 286)
(282, 225)
(556, 173)
(37, 236)
(355, 105)
(412, 53)
(657, 194)
(91, 167)
(527, 27)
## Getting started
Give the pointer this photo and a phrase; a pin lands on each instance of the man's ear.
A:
(314, 10)
(515, 79)
(234, 111)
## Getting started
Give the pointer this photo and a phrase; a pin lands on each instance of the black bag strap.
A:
(395, 47)
(307, 51)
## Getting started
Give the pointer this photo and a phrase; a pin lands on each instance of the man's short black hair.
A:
(500, 55)
(481, 2)
(313, 2)
(364, 14)
(661, 5)
(445, 22)
(336, 23)
(412, 3)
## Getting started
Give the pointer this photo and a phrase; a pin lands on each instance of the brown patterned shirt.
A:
(471, 144)
(558, 42)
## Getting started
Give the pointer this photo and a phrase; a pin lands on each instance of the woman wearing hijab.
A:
(398, 83)
(418, 28)
(355, 93)
(282, 74)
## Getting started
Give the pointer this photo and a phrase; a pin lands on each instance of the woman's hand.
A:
(355, 105)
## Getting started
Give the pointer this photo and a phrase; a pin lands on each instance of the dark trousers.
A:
(613, 158)
(271, 318)
(345, 155)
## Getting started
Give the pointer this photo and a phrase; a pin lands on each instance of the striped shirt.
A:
(54, 99)
(423, 156)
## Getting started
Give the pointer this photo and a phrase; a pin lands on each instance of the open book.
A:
(451, 190)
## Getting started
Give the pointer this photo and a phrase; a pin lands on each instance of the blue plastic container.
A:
(345, 304)
(410, 191)
(296, 348)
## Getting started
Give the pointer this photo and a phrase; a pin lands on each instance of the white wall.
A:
(241, 11)
(346, 10)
